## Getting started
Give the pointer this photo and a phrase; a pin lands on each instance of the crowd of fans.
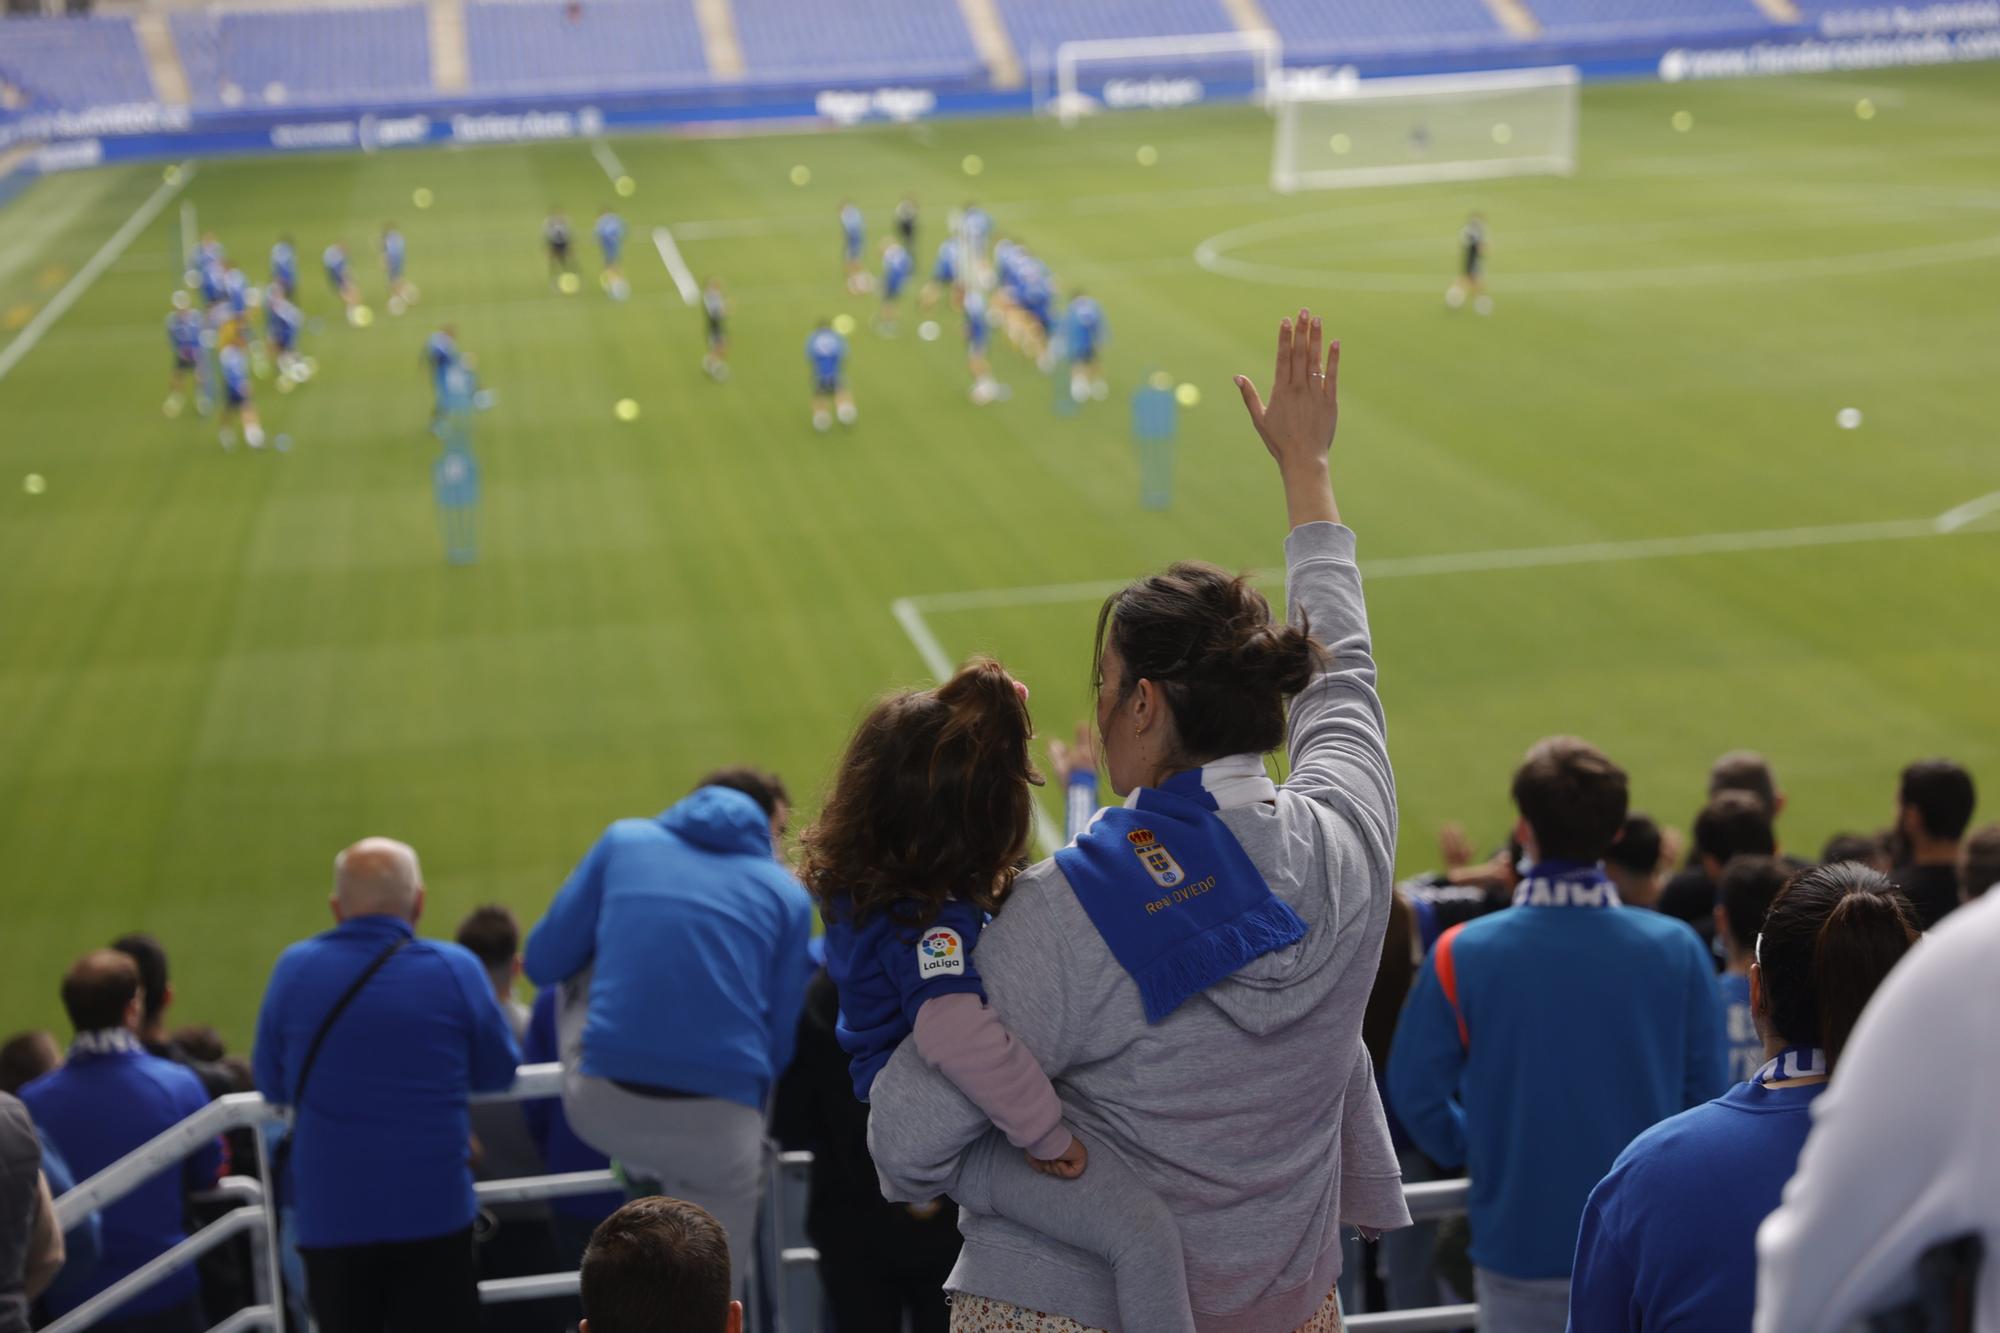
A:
(1622, 1039)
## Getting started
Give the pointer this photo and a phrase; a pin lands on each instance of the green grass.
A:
(216, 670)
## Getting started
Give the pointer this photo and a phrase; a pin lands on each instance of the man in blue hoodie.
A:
(1540, 1040)
(681, 945)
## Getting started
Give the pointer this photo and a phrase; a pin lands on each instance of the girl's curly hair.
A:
(931, 802)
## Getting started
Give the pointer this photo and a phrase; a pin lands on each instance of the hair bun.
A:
(1277, 657)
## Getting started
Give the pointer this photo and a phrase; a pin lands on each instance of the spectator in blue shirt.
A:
(380, 1167)
(109, 1098)
(1538, 1041)
(1669, 1237)
(1743, 894)
(693, 938)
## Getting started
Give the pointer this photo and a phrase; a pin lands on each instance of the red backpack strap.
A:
(1447, 974)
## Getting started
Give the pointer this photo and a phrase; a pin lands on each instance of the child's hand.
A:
(1066, 1166)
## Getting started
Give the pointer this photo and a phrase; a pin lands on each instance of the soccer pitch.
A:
(1619, 507)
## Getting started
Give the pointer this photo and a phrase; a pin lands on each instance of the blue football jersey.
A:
(826, 350)
(442, 352)
(335, 259)
(610, 232)
(284, 265)
(236, 370)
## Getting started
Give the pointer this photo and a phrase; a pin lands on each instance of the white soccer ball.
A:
(928, 330)
(1848, 418)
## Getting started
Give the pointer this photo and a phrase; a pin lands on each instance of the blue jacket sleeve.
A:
(267, 1058)
(83, 1244)
(1602, 1295)
(1707, 1073)
(940, 960)
(791, 970)
(495, 1056)
(1424, 1065)
(565, 940)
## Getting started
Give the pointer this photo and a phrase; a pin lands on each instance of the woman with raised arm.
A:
(1192, 970)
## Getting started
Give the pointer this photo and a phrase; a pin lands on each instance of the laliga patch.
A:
(940, 953)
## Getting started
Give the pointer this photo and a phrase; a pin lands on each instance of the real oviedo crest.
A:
(940, 953)
(1159, 862)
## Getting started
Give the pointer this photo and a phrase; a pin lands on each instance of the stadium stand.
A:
(297, 56)
(1039, 26)
(1645, 18)
(1312, 29)
(70, 64)
(538, 46)
(854, 39)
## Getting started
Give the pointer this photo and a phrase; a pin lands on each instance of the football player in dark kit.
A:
(1471, 280)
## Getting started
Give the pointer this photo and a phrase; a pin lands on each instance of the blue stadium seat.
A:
(1039, 26)
(70, 64)
(854, 39)
(1314, 29)
(1645, 18)
(531, 46)
(304, 56)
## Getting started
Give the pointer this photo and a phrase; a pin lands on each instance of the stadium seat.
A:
(854, 39)
(538, 46)
(1313, 29)
(71, 64)
(1645, 18)
(304, 56)
(1038, 27)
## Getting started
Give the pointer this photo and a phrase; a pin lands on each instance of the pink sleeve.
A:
(966, 1042)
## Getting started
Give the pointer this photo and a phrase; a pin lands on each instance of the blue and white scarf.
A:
(1178, 901)
(1566, 884)
(104, 1041)
(1792, 1062)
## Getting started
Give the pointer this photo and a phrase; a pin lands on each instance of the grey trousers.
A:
(1107, 1211)
(705, 1150)
(1521, 1305)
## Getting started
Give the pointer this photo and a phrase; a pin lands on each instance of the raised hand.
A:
(1297, 424)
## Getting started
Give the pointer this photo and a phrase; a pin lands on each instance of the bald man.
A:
(109, 1097)
(404, 1030)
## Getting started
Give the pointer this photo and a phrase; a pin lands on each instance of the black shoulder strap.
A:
(339, 1007)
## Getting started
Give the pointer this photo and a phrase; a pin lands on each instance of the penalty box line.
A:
(912, 613)
(93, 268)
(663, 240)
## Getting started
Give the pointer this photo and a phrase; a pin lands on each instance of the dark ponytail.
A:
(1207, 639)
(1830, 938)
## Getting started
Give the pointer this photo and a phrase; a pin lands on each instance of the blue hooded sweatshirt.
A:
(698, 939)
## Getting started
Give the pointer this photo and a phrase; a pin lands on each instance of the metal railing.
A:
(249, 1110)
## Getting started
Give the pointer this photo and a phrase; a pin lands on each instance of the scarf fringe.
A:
(1195, 964)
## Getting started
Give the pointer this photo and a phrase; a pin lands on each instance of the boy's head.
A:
(1732, 824)
(659, 1264)
(1572, 800)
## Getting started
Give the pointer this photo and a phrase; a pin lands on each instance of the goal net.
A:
(1129, 73)
(1431, 128)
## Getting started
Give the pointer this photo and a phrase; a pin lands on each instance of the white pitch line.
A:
(107, 255)
(1951, 520)
(1525, 557)
(670, 255)
(607, 159)
(909, 611)
(939, 664)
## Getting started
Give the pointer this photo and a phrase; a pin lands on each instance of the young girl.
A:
(916, 846)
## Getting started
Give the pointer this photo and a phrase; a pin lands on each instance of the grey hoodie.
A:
(1252, 1108)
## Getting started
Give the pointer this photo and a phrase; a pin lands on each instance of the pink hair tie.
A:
(1021, 688)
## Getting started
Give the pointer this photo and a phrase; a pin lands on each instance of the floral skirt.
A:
(981, 1314)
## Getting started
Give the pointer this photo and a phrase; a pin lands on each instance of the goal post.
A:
(1441, 127)
(1133, 72)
